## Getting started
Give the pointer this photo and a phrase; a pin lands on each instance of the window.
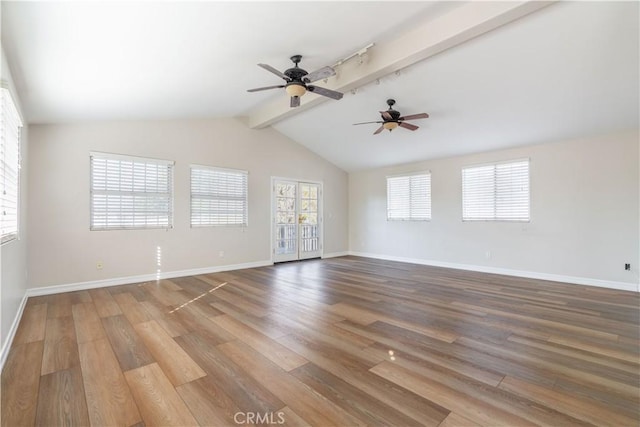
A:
(130, 192)
(496, 192)
(9, 169)
(218, 196)
(409, 197)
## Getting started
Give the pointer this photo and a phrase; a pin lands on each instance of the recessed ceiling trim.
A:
(458, 26)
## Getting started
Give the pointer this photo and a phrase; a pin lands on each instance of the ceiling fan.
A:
(391, 119)
(297, 81)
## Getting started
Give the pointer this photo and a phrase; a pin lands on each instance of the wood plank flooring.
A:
(340, 342)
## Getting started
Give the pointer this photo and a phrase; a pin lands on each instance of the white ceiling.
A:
(567, 70)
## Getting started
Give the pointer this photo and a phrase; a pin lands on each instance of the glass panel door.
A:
(297, 221)
(286, 221)
(308, 221)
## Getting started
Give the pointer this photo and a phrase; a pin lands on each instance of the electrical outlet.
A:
(487, 254)
(627, 266)
(221, 254)
(99, 265)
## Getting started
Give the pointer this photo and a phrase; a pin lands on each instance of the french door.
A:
(297, 220)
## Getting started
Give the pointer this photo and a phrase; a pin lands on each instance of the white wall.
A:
(584, 215)
(13, 255)
(64, 251)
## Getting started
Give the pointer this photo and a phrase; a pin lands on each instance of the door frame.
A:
(272, 219)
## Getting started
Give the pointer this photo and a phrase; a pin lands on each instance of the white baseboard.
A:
(335, 254)
(508, 272)
(81, 286)
(6, 345)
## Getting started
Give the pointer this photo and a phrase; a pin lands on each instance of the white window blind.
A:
(496, 192)
(409, 197)
(130, 192)
(9, 168)
(218, 196)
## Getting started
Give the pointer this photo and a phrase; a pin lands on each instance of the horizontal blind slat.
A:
(409, 197)
(498, 192)
(218, 196)
(10, 132)
(130, 192)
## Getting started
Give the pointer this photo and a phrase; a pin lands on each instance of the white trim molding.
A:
(335, 254)
(610, 284)
(81, 286)
(6, 345)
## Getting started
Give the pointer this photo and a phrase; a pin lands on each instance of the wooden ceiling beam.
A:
(458, 26)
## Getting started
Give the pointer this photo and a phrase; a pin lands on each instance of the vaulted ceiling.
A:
(491, 75)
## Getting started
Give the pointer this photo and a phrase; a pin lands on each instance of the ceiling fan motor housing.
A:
(296, 86)
(295, 73)
(395, 115)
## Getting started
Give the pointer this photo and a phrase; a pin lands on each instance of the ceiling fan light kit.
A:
(390, 126)
(392, 119)
(295, 89)
(297, 81)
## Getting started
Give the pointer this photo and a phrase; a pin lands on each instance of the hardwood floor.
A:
(340, 342)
